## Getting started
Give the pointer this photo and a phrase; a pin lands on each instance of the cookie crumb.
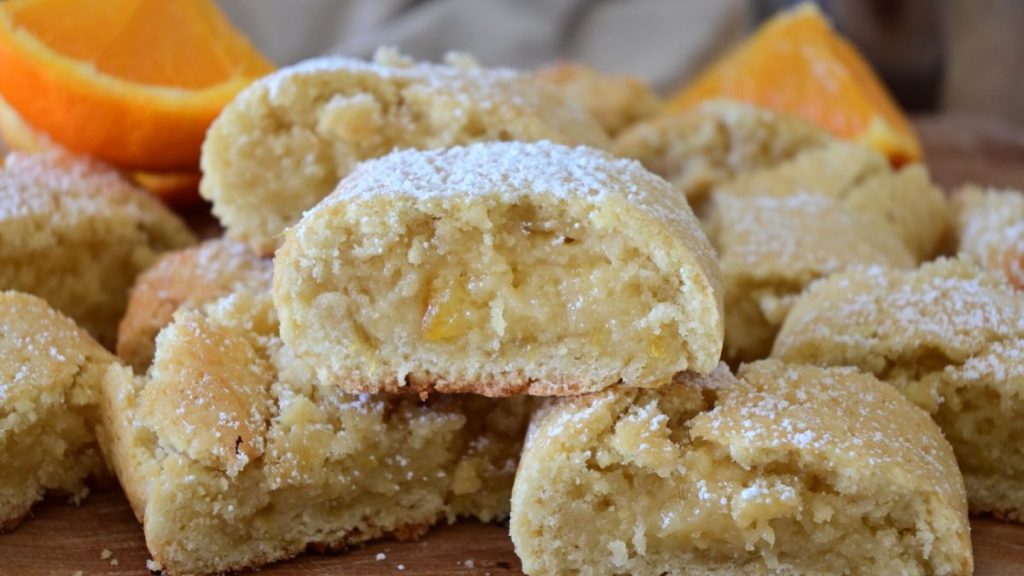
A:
(105, 554)
(401, 567)
(153, 566)
(381, 556)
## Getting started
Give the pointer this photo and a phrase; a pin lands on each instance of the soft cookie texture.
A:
(771, 248)
(184, 279)
(76, 234)
(50, 372)
(282, 145)
(990, 228)
(785, 470)
(778, 229)
(616, 102)
(714, 142)
(232, 457)
(500, 268)
(950, 337)
(859, 178)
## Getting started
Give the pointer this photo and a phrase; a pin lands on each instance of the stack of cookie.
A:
(445, 292)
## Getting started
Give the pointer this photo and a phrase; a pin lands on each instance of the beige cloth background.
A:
(664, 41)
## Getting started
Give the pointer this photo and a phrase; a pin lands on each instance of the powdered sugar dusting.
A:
(794, 237)
(512, 170)
(838, 418)
(65, 188)
(42, 353)
(950, 306)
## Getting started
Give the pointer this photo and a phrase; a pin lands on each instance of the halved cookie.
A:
(282, 145)
(76, 234)
(50, 372)
(500, 268)
(950, 337)
(786, 470)
(232, 457)
(186, 278)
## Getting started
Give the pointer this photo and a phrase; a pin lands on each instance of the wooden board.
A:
(61, 540)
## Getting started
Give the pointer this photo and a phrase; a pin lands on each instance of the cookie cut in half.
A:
(500, 268)
(76, 234)
(50, 373)
(950, 337)
(231, 457)
(284, 142)
(786, 470)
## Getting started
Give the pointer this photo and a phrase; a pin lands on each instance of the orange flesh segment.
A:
(133, 82)
(797, 64)
(127, 39)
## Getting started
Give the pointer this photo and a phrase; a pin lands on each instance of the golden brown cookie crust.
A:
(187, 278)
(225, 430)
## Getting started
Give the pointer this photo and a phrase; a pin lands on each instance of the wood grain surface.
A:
(61, 540)
(64, 540)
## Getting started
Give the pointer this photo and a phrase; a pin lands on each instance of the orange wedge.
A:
(796, 63)
(132, 82)
(179, 189)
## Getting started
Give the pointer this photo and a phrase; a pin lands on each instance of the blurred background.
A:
(957, 56)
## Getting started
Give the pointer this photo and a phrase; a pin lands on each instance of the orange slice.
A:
(179, 189)
(796, 63)
(132, 82)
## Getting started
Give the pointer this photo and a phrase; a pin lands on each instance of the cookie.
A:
(282, 145)
(772, 247)
(714, 142)
(784, 470)
(990, 228)
(500, 268)
(861, 179)
(76, 234)
(186, 278)
(233, 457)
(779, 228)
(950, 337)
(615, 101)
(50, 373)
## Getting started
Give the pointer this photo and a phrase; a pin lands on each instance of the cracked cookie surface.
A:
(950, 337)
(783, 469)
